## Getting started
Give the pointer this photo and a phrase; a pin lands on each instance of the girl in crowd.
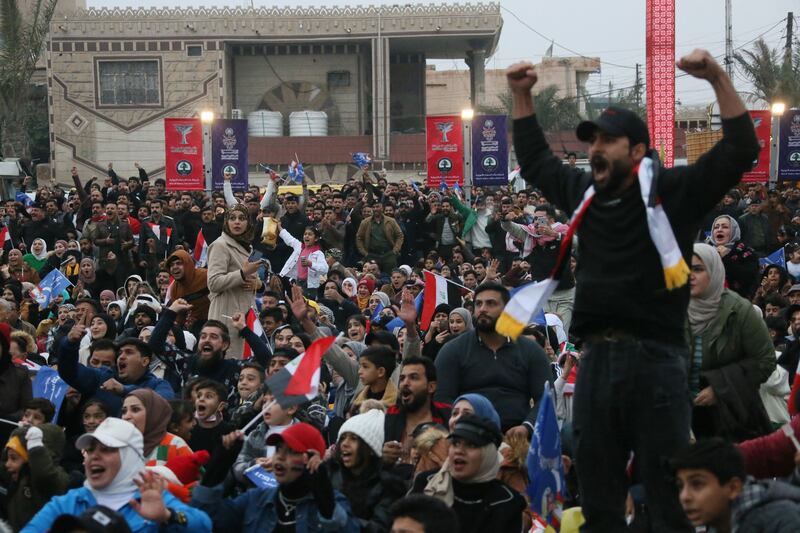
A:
(307, 262)
(151, 414)
(363, 291)
(102, 326)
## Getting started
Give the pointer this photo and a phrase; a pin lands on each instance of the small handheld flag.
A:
(254, 325)
(5, 239)
(376, 314)
(778, 257)
(52, 285)
(298, 381)
(296, 172)
(362, 160)
(200, 252)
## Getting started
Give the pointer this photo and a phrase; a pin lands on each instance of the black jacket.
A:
(371, 493)
(620, 278)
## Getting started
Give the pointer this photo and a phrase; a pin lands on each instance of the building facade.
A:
(114, 75)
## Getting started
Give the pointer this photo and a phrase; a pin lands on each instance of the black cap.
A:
(289, 196)
(476, 430)
(97, 519)
(618, 122)
(142, 346)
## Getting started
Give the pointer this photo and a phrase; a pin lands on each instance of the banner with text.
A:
(444, 142)
(762, 124)
(183, 147)
(489, 151)
(789, 146)
(229, 152)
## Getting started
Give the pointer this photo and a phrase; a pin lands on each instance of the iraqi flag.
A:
(200, 252)
(5, 239)
(254, 325)
(437, 291)
(156, 229)
(298, 381)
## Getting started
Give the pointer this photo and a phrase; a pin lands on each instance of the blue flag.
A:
(48, 385)
(296, 172)
(49, 287)
(419, 301)
(260, 477)
(443, 186)
(376, 314)
(547, 487)
(362, 160)
(778, 257)
(25, 198)
(414, 185)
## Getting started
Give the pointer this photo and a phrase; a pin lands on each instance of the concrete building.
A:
(449, 91)
(114, 75)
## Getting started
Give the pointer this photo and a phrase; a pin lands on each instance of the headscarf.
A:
(355, 286)
(41, 256)
(703, 309)
(111, 327)
(36, 261)
(157, 416)
(64, 244)
(736, 232)
(122, 488)
(91, 277)
(363, 301)
(108, 293)
(482, 407)
(464, 314)
(357, 347)
(194, 281)
(383, 297)
(245, 238)
(440, 484)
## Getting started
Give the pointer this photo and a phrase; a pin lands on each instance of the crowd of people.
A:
(673, 370)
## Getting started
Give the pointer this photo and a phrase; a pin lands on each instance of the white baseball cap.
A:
(114, 433)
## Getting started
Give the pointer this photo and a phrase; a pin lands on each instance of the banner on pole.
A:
(229, 152)
(762, 124)
(444, 142)
(789, 146)
(183, 147)
(489, 151)
(660, 50)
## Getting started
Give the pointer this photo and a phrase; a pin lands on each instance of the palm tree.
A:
(774, 75)
(552, 112)
(22, 38)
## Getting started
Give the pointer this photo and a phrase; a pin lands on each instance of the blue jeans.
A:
(630, 395)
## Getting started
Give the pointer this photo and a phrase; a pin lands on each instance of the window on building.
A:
(338, 78)
(194, 50)
(128, 83)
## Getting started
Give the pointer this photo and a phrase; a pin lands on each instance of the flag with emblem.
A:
(254, 325)
(200, 252)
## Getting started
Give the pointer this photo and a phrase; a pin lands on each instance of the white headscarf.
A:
(355, 286)
(703, 308)
(122, 488)
(736, 232)
(440, 485)
(43, 254)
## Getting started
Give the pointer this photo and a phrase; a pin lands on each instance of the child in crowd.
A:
(183, 420)
(209, 410)
(37, 411)
(375, 366)
(248, 388)
(30, 472)
(255, 450)
(714, 492)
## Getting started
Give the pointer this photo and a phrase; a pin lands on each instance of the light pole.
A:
(466, 121)
(777, 111)
(207, 118)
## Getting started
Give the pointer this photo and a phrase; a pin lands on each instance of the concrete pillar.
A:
(381, 114)
(476, 59)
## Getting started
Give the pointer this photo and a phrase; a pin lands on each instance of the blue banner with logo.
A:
(789, 146)
(229, 152)
(48, 385)
(489, 150)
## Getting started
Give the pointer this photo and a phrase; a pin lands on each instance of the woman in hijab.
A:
(363, 291)
(16, 268)
(55, 258)
(335, 299)
(739, 260)
(151, 414)
(232, 278)
(731, 354)
(442, 329)
(37, 257)
(102, 326)
(467, 481)
(349, 286)
(115, 478)
(92, 280)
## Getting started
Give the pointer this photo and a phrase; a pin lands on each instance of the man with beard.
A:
(143, 316)
(632, 294)
(414, 406)
(208, 361)
(510, 374)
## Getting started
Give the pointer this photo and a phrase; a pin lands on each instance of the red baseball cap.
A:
(300, 438)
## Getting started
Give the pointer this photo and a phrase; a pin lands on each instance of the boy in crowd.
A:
(38, 411)
(715, 492)
(418, 513)
(209, 411)
(251, 378)
(375, 366)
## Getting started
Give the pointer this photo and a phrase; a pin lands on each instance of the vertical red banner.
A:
(445, 150)
(762, 121)
(183, 147)
(660, 66)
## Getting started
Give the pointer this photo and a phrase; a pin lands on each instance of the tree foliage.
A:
(774, 76)
(22, 38)
(553, 112)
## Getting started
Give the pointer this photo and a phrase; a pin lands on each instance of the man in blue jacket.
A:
(107, 384)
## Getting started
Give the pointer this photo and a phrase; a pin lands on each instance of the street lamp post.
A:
(778, 109)
(466, 120)
(207, 118)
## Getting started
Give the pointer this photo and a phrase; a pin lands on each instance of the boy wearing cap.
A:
(636, 222)
(301, 500)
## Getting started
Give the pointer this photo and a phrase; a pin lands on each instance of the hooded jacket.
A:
(193, 287)
(767, 506)
(40, 479)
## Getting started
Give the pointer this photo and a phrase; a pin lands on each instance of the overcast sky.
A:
(612, 30)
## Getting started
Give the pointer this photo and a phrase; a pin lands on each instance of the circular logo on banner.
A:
(489, 163)
(229, 169)
(183, 167)
(444, 165)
